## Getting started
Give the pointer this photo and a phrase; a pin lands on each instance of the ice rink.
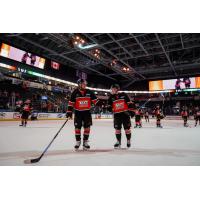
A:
(171, 145)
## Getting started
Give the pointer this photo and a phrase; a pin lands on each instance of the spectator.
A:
(5, 94)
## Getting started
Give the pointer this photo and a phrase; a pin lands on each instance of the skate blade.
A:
(121, 148)
(76, 149)
(86, 149)
(118, 148)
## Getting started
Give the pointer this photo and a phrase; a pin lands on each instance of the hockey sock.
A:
(86, 134)
(78, 134)
(85, 137)
(128, 134)
(118, 135)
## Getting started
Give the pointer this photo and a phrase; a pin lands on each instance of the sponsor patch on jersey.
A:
(83, 103)
(119, 105)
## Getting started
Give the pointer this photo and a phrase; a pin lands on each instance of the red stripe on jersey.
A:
(71, 103)
(184, 113)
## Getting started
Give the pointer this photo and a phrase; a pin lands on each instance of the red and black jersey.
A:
(146, 114)
(158, 112)
(120, 102)
(82, 100)
(184, 113)
(197, 113)
(26, 107)
(178, 83)
(138, 112)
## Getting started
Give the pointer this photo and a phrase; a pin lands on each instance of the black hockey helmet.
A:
(80, 81)
(137, 105)
(115, 86)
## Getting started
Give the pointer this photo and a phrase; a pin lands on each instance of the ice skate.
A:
(86, 146)
(128, 144)
(77, 145)
(117, 145)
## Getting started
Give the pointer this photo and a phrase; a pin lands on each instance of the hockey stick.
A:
(35, 160)
(145, 103)
(163, 102)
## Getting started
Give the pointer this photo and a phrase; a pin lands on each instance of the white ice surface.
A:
(172, 145)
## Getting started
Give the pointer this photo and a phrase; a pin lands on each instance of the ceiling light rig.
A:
(125, 69)
(96, 53)
(116, 64)
(78, 41)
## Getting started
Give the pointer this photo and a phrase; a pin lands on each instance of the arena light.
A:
(8, 66)
(96, 53)
(94, 89)
(88, 46)
(191, 90)
(82, 41)
(78, 41)
(125, 69)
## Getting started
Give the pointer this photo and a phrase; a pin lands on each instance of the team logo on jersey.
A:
(83, 103)
(119, 105)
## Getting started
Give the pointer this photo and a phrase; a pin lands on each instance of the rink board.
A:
(15, 116)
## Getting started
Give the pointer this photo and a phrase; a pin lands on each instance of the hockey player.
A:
(187, 82)
(178, 84)
(184, 115)
(81, 101)
(197, 116)
(26, 111)
(146, 116)
(138, 116)
(122, 107)
(33, 59)
(159, 116)
(25, 57)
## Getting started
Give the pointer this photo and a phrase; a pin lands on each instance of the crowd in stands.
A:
(43, 100)
(12, 96)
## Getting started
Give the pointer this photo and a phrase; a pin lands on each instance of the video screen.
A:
(21, 56)
(44, 98)
(177, 84)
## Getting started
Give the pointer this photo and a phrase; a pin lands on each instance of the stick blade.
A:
(30, 161)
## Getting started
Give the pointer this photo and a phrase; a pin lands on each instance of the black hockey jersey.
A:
(82, 100)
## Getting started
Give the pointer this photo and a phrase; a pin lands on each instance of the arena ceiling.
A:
(125, 57)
